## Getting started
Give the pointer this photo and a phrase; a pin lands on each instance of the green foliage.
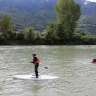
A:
(51, 30)
(89, 40)
(11, 35)
(82, 34)
(20, 36)
(29, 34)
(62, 34)
(68, 13)
(6, 24)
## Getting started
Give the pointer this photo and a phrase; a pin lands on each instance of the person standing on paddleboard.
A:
(36, 63)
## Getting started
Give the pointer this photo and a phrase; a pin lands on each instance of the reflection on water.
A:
(72, 64)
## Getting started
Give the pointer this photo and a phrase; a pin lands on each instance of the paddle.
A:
(46, 67)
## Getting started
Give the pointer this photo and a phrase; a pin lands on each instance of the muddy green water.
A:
(72, 64)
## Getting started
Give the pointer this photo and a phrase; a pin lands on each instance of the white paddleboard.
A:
(33, 77)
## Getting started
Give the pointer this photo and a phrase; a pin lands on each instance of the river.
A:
(72, 64)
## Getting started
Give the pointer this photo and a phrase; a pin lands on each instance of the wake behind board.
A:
(33, 77)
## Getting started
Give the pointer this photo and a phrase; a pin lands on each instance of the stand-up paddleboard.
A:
(33, 77)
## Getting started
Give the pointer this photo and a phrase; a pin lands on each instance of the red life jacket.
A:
(94, 61)
(36, 60)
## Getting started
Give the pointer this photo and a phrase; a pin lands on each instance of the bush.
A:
(20, 36)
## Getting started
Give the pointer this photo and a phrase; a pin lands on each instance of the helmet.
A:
(34, 55)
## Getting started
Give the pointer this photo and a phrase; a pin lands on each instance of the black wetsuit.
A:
(36, 70)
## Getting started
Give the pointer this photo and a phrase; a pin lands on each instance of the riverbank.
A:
(13, 38)
(79, 40)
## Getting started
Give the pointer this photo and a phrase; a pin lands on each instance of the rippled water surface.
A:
(72, 64)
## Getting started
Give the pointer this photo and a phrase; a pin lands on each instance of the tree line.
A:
(62, 32)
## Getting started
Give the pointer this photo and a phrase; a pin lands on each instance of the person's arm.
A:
(31, 62)
(34, 60)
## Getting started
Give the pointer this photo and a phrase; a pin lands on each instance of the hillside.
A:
(87, 24)
(38, 13)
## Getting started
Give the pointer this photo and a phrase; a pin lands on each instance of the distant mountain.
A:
(38, 13)
(26, 5)
(88, 6)
(87, 22)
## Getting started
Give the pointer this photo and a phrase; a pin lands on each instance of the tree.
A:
(29, 34)
(6, 24)
(68, 13)
(20, 36)
(51, 30)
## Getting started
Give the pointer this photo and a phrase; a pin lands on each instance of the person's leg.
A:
(36, 70)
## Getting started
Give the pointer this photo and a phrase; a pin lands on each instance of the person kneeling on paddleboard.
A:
(36, 63)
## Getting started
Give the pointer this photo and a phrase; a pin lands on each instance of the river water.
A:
(72, 64)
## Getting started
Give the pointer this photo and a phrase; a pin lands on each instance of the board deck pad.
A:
(33, 77)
